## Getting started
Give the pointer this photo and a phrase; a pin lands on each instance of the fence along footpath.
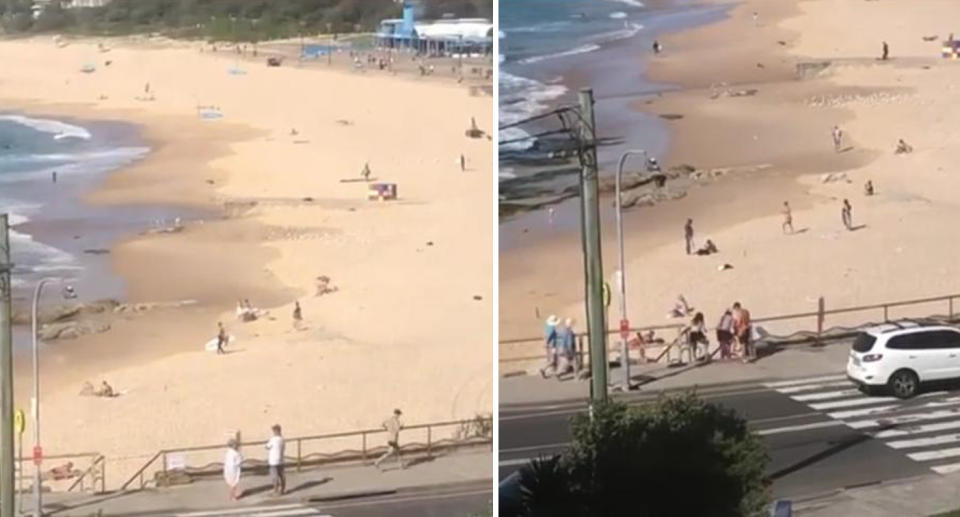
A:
(797, 328)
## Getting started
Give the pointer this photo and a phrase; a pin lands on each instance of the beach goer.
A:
(756, 19)
(54, 176)
(707, 248)
(903, 147)
(846, 214)
(275, 446)
(697, 334)
(741, 330)
(365, 173)
(297, 315)
(221, 338)
(787, 218)
(886, 51)
(725, 334)
(105, 390)
(681, 308)
(568, 343)
(688, 235)
(868, 188)
(463, 162)
(393, 425)
(551, 337)
(656, 47)
(837, 138)
(232, 462)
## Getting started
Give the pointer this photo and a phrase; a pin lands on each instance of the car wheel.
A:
(904, 384)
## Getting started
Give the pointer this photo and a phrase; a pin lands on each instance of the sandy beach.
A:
(771, 146)
(409, 323)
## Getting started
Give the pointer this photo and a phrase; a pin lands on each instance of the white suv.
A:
(901, 355)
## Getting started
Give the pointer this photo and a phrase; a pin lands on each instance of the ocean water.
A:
(51, 226)
(547, 45)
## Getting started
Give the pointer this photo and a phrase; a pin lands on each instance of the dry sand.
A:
(410, 325)
(903, 252)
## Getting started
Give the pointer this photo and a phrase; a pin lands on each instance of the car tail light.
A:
(869, 358)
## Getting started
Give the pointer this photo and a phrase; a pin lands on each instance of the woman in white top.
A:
(231, 469)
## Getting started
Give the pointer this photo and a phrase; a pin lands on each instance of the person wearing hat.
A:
(393, 425)
(552, 336)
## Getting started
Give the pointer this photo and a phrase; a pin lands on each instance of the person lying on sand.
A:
(708, 248)
(681, 309)
(903, 147)
(65, 471)
(323, 286)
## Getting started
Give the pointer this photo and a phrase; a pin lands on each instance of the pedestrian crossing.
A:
(283, 510)
(925, 428)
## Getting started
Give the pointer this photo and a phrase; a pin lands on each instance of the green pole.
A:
(6, 375)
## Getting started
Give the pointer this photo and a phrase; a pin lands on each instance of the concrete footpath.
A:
(314, 485)
(915, 497)
(775, 362)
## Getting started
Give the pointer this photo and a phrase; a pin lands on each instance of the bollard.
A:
(299, 442)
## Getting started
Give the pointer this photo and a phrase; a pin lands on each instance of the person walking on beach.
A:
(463, 163)
(846, 214)
(837, 138)
(725, 334)
(688, 235)
(552, 336)
(275, 446)
(741, 329)
(232, 462)
(297, 315)
(756, 19)
(657, 47)
(393, 425)
(54, 176)
(787, 218)
(221, 338)
(886, 51)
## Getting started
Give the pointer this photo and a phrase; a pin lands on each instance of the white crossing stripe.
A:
(946, 469)
(935, 455)
(941, 439)
(840, 415)
(810, 387)
(802, 427)
(284, 510)
(862, 401)
(808, 380)
(826, 395)
(905, 419)
(919, 429)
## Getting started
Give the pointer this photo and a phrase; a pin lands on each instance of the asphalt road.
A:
(821, 434)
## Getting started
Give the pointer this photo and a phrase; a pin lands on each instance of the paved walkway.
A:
(471, 465)
(786, 361)
(917, 497)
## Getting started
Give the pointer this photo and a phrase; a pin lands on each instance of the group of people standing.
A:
(560, 347)
(233, 461)
(733, 336)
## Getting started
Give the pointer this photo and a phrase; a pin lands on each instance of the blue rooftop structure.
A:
(445, 37)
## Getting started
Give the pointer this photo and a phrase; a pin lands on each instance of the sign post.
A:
(19, 425)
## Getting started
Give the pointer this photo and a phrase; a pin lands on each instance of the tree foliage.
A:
(679, 456)
(232, 20)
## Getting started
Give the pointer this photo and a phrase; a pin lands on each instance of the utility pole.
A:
(589, 183)
(6, 375)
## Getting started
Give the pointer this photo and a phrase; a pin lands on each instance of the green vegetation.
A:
(223, 20)
(955, 513)
(679, 456)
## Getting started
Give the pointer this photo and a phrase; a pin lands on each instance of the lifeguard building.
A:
(444, 37)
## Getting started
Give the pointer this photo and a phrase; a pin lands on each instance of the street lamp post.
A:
(37, 491)
(625, 352)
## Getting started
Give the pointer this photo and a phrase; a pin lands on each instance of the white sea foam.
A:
(629, 30)
(520, 98)
(632, 3)
(72, 163)
(582, 49)
(619, 15)
(60, 130)
(555, 26)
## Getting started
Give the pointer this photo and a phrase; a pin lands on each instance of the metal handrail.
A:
(802, 315)
(100, 461)
(139, 475)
